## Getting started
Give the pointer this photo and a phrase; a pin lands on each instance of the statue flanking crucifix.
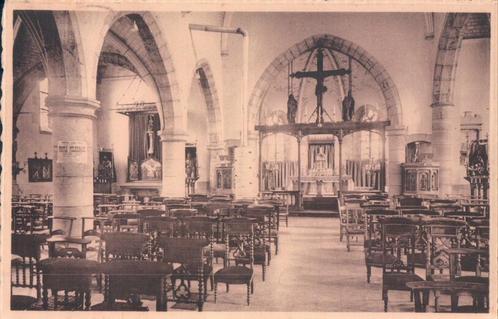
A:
(320, 75)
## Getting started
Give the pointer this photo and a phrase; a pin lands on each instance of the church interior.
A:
(250, 161)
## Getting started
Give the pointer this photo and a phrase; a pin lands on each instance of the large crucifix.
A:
(320, 75)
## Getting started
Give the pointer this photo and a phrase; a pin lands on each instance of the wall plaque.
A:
(71, 152)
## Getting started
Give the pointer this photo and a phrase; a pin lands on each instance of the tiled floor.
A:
(312, 272)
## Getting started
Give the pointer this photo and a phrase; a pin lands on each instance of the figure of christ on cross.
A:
(320, 75)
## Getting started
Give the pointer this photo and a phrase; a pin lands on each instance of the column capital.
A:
(172, 136)
(395, 130)
(215, 147)
(72, 106)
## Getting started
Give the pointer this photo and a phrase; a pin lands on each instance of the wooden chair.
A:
(128, 280)
(202, 227)
(266, 216)
(23, 219)
(194, 266)
(128, 222)
(241, 232)
(442, 234)
(124, 245)
(352, 223)
(398, 241)
(147, 213)
(26, 251)
(373, 241)
(68, 274)
(261, 249)
(281, 207)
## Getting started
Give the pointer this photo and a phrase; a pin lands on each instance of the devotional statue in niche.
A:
(321, 159)
(151, 168)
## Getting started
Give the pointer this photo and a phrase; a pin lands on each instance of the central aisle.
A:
(312, 272)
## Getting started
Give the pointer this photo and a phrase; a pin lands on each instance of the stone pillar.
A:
(72, 120)
(214, 152)
(173, 166)
(396, 155)
(245, 170)
(445, 145)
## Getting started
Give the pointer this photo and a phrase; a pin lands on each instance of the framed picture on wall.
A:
(106, 165)
(133, 171)
(39, 170)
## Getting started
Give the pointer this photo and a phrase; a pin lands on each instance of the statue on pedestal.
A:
(291, 109)
(151, 168)
(348, 107)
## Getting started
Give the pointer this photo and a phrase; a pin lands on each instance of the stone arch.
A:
(449, 46)
(379, 73)
(208, 86)
(160, 67)
(60, 53)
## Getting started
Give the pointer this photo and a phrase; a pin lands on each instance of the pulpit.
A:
(420, 178)
(224, 180)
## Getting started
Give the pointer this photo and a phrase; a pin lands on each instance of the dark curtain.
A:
(138, 137)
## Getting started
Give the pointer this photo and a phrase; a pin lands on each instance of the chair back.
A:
(23, 218)
(417, 212)
(160, 225)
(183, 212)
(441, 234)
(124, 245)
(125, 221)
(126, 278)
(147, 213)
(170, 207)
(25, 268)
(199, 227)
(217, 208)
(410, 201)
(239, 232)
(398, 240)
(183, 250)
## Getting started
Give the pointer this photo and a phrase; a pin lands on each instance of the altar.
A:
(322, 185)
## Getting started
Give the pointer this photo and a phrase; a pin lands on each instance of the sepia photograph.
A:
(295, 158)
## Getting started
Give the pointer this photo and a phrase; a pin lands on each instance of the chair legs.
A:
(369, 273)
(386, 299)
(215, 291)
(250, 290)
(248, 293)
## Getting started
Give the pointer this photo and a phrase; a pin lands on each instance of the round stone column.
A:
(445, 145)
(173, 166)
(395, 143)
(245, 170)
(72, 120)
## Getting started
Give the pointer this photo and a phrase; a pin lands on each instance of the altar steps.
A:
(321, 203)
(313, 213)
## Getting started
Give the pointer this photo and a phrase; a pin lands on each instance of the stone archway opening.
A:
(381, 82)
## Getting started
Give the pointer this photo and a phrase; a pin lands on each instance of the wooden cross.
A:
(319, 75)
